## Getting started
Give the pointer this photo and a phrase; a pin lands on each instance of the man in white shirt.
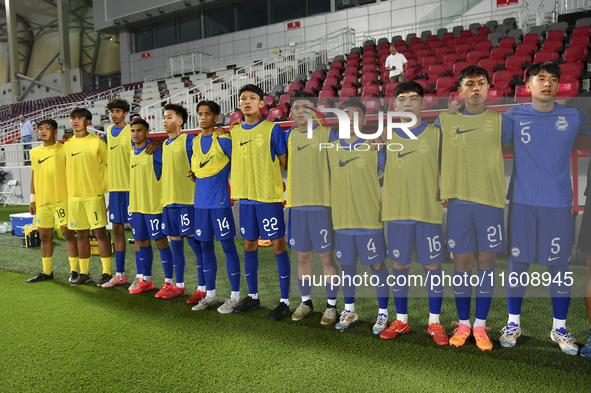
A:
(26, 134)
(396, 63)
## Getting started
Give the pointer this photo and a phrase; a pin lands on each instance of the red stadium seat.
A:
(369, 68)
(275, 114)
(414, 40)
(458, 67)
(574, 55)
(368, 78)
(507, 42)
(441, 53)
(326, 93)
(445, 85)
(501, 79)
(269, 101)
(462, 51)
(424, 83)
(398, 43)
(235, 116)
(473, 41)
(284, 99)
(348, 91)
(371, 60)
(555, 35)
(568, 89)
(531, 39)
(331, 81)
(370, 90)
(488, 64)
(324, 103)
(570, 72)
(389, 92)
(336, 64)
(456, 41)
(495, 95)
(435, 73)
(484, 46)
(372, 105)
(334, 72)
(428, 61)
(448, 37)
(349, 80)
(540, 57)
(431, 101)
(317, 74)
(581, 31)
(312, 86)
(522, 95)
(513, 64)
(551, 45)
(351, 70)
(580, 42)
(473, 57)
(263, 112)
(431, 38)
(449, 60)
(433, 45)
(412, 73)
(464, 35)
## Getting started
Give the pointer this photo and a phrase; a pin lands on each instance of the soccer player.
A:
(540, 218)
(258, 148)
(49, 198)
(413, 212)
(145, 205)
(473, 183)
(177, 198)
(120, 145)
(86, 171)
(356, 214)
(210, 166)
(308, 197)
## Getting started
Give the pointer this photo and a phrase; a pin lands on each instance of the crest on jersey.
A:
(515, 251)
(451, 243)
(396, 253)
(561, 123)
(198, 232)
(339, 254)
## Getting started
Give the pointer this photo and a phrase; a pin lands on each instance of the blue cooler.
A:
(18, 222)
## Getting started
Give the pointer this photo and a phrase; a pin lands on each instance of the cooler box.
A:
(18, 222)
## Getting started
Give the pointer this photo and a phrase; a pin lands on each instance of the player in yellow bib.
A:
(86, 169)
(49, 198)
(473, 183)
(258, 149)
(412, 211)
(308, 200)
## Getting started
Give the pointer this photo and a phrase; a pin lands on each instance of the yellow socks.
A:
(47, 265)
(73, 264)
(106, 265)
(84, 262)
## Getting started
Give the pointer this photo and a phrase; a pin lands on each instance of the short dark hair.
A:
(50, 122)
(254, 88)
(118, 103)
(81, 112)
(472, 71)
(547, 66)
(213, 106)
(303, 95)
(141, 122)
(353, 103)
(180, 111)
(408, 87)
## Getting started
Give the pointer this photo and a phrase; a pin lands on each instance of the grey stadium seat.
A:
(382, 40)
(396, 38)
(474, 28)
(492, 25)
(425, 34)
(583, 22)
(495, 38)
(457, 30)
(503, 30)
(441, 32)
(409, 37)
(517, 34)
(511, 22)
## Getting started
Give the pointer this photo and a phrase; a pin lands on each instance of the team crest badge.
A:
(396, 253)
(515, 251)
(339, 254)
(198, 232)
(242, 230)
(561, 123)
(451, 243)
(292, 242)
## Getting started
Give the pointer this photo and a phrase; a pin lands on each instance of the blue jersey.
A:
(543, 143)
(212, 192)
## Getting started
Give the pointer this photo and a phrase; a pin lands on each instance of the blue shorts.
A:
(475, 227)
(178, 221)
(119, 207)
(369, 248)
(265, 220)
(146, 226)
(428, 237)
(548, 228)
(208, 222)
(310, 229)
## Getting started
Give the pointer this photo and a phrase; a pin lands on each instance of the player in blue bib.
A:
(540, 218)
(210, 167)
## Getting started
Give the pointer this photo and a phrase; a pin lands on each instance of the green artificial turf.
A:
(58, 338)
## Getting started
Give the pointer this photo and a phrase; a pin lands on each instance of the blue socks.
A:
(382, 289)
(210, 265)
(305, 287)
(166, 258)
(196, 247)
(147, 257)
(463, 293)
(251, 266)
(515, 293)
(120, 261)
(349, 272)
(400, 292)
(484, 292)
(434, 291)
(138, 262)
(284, 271)
(178, 259)
(232, 263)
(560, 293)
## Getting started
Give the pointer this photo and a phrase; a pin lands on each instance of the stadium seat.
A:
(368, 77)
(317, 75)
(332, 81)
(336, 64)
(488, 64)
(473, 41)
(574, 55)
(525, 50)
(583, 22)
(431, 38)
(550, 46)
(269, 101)
(431, 101)
(462, 51)
(348, 91)
(326, 93)
(581, 41)
(444, 86)
(370, 90)
(435, 73)
(313, 86)
(555, 35)
(473, 57)
(449, 60)
(447, 37)
(522, 95)
(441, 32)
(517, 34)
(507, 42)
(568, 89)
(372, 105)
(501, 79)
(428, 61)
(333, 72)
(441, 53)
(495, 38)
(540, 57)
(465, 34)
(531, 38)
(484, 31)
(412, 73)
(511, 22)
(495, 95)
(275, 114)
(454, 42)
(514, 63)
(457, 30)
(459, 67)
(285, 100)
(235, 116)
(484, 46)
(424, 83)
(389, 91)
(474, 27)
(570, 72)
(581, 31)
(350, 80)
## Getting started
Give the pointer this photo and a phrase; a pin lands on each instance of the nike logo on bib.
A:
(133, 166)
(202, 164)
(343, 163)
(303, 147)
(75, 154)
(464, 131)
(244, 143)
(405, 154)
(42, 161)
(112, 147)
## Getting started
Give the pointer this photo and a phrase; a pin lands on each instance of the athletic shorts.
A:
(428, 237)
(264, 219)
(210, 222)
(475, 227)
(178, 221)
(146, 226)
(369, 248)
(549, 230)
(310, 229)
(87, 214)
(46, 216)
(119, 207)
(585, 235)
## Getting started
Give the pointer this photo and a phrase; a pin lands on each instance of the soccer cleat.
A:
(280, 312)
(565, 340)
(396, 328)
(173, 292)
(82, 278)
(165, 288)
(586, 349)
(509, 335)
(330, 315)
(248, 303)
(144, 286)
(204, 303)
(437, 332)
(303, 309)
(482, 340)
(461, 333)
(41, 277)
(228, 306)
(117, 280)
(196, 298)
(346, 319)
(105, 278)
(137, 281)
(73, 277)
(381, 324)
